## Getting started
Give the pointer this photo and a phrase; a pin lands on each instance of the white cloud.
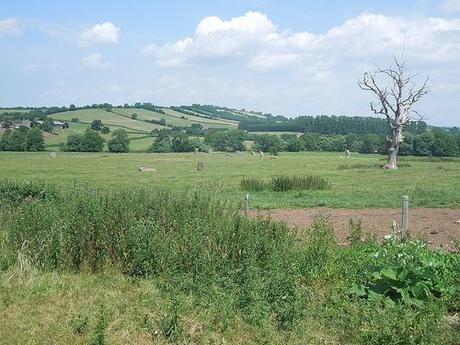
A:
(9, 26)
(451, 6)
(254, 39)
(95, 61)
(105, 33)
(254, 64)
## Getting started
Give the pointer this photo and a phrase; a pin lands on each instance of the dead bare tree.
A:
(396, 94)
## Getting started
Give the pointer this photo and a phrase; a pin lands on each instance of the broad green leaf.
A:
(419, 290)
(389, 273)
(358, 290)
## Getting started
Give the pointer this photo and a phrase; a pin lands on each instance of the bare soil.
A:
(439, 227)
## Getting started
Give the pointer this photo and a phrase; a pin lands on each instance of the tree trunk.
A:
(396, 140)
(392, 155)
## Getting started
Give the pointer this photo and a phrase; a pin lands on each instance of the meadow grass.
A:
(107, 118)
(364, 184)
(84, 265)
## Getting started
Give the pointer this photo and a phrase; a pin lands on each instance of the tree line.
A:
(326, 125)
(22, 139)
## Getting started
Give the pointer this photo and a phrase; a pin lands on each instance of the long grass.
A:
(204, 258)
(285, 183)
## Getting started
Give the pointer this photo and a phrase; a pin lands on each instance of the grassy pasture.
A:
(205, 122)
(355, 183)
(59, 136)
(108, 118)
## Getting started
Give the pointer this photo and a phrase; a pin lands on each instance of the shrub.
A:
(119, 142)
(90, 141)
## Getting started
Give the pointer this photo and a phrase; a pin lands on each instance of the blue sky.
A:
(284, 57)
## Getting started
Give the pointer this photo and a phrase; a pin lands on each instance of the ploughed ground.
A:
(439, 227)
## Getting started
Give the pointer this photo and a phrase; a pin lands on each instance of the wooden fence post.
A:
(246, 204)
(405, 217)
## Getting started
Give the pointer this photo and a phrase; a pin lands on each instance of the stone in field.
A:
(200, 166)
(145, 169)
(53, 155)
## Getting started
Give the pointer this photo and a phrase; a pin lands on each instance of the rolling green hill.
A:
(147, 118)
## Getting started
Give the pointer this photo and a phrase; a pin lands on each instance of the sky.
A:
(282, 57)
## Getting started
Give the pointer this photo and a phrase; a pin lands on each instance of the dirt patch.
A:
(438, 226)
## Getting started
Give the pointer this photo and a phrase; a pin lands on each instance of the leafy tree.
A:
(74, 119)
(181, 143)
(96, 125)
(119, 141)
(72, 107)
(92, 142)
(421, 145)
(444, 145)
(295, 144)
(47, 125)
(105, 130)
(74, 143)
(35, 140)
(228, 141)
(162, 143)
(195, 129)
(134, 116)
(372, 143)
(7, 142)
(268, 143)
(338, 143)
(14, 140)
(311, 141)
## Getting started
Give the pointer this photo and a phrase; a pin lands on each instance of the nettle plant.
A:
(409, 273)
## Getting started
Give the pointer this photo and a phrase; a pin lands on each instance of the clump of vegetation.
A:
(285, 183)
(236, 273)
(22, 139)
(119, 142)
(15, 192)
(310, 182)
(253, 184)
(90, 141)
(407, 273)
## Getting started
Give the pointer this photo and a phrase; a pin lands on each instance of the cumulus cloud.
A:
(95, 61)
(104, 33)
(9, 26)
(255, 64)
(254, 39)
(451, 6)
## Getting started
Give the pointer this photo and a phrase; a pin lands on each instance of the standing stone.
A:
(347, 153)
(200, 166)
(53, 155)
(261, 153)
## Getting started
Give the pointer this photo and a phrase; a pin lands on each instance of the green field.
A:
(201, 119)
(108, 118)
(59, 136)
(356, 183)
